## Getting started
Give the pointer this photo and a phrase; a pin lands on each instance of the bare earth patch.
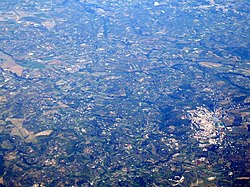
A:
(210, 64)
(7, 63)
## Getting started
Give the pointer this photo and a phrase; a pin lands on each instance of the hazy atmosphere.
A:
(127, 93)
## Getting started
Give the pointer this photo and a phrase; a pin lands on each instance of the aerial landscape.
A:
(129, 93)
